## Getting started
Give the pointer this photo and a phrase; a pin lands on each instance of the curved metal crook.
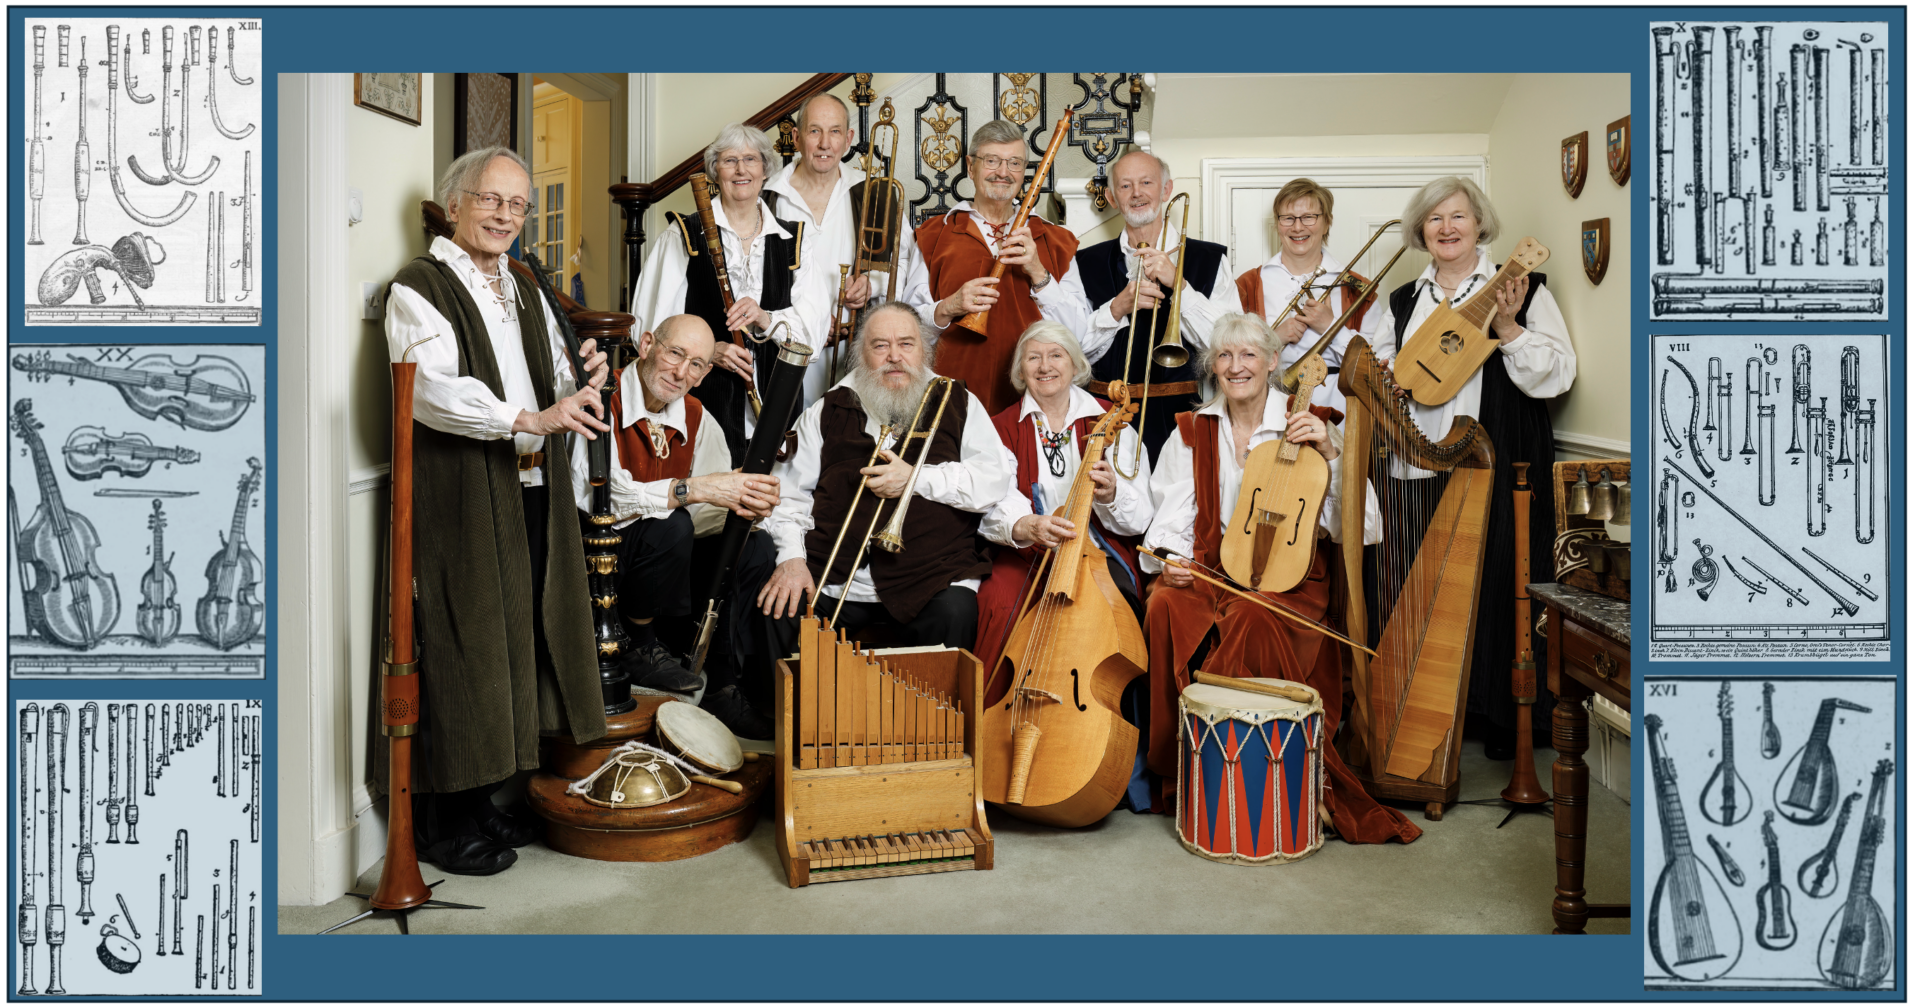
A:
(242, 81)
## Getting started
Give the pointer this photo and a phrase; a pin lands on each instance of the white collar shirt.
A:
(1176, 503)
(1278, 286)
(654, 500)
(974, 483)
(1540, 360)
(1132, 504)
(464, 406)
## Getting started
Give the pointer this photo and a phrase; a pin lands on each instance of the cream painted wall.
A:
(392, 164)
(1524, 181)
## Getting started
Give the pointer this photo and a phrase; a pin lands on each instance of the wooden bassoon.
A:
(977, 321)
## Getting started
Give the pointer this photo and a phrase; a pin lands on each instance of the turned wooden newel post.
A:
(634, 198)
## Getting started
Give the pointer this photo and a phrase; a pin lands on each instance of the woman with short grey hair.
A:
(772, 273)
(1452, 220)
(1052, 333)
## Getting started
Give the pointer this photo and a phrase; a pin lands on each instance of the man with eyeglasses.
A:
(1139, 185)
(821, 191)
(1302, 216)
(502, 610)
(671, 483)
(771, 267)
(959, 250)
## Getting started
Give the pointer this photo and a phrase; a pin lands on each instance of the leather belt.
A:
(1161, 390)
(528, 462)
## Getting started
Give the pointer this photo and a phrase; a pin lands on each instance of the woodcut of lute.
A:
(1269, 542)
(210, 393)
(1769, 734)
(1857, 948)
(1726, 801)
(1691, 926)
(231, 613)
(158, 616)
(1820, 875)
(1774, 929)
(1451, 346)
(70, 599)
(1808, 786)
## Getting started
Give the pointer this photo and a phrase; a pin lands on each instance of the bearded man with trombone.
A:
(864, 463)
(1295, 292)
(856, 217)
(1136, 282)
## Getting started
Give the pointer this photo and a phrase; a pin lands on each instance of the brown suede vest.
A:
(941, 543)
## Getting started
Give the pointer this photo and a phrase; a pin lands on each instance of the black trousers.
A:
(656, 555)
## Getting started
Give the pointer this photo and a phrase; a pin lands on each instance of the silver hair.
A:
(1235, 330)
(800, 117)
(928, 334)
(997, 131)
(1046, 330)
(739, 136)
(1166, 170)
(1439, 191)
(465, 171)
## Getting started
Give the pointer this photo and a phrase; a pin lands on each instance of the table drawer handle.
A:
(1606, 664)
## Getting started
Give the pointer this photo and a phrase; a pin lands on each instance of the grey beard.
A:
(887, 406)
(1146, 217)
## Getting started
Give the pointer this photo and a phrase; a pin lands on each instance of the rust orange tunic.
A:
(955, 253)
(1249, 642)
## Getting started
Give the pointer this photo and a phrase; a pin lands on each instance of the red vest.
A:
(633, 449)
(1018, 433)
(955, 253)
(1253, 299)
(1202, 436)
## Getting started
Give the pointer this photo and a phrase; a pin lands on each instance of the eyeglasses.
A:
(996, 163)
(491, 201)
(746, 161)
(1307, 219)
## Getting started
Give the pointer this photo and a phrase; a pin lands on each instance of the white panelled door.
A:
(1367, 192)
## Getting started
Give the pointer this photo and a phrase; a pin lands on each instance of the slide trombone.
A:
(1290, 378)
(891, 538)
(1168, 350)
(877, 239)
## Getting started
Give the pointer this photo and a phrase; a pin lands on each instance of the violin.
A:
(92, 451)
(231, 613)
(211, 393)
(71, 601)
(158, 616)
(1269, 543)
(1057, 749)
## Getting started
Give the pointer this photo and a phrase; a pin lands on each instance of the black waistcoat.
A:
(724, 394)
(1103, 270)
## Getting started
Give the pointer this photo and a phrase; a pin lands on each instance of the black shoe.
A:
(649, 665)
(732, 710)
(507, 829)
(472, 854)
(1499, 749)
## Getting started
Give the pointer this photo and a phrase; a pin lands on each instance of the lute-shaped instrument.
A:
(1691, 926)
(1438, 359)
(1769, 734)
(211, 393)
(70, 599)
(1774, 929)
(1809, 786)
(1057, 749)
(159, 614)
(1856, 950)
(1819, 876)
(1269, 542)
(230, 613)
(1726, 801)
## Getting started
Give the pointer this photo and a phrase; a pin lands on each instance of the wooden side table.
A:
(1588, 653)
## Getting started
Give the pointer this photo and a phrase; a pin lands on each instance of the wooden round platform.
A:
(577, 761)
(694, 825)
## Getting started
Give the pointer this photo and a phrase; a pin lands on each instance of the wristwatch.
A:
(680, 491)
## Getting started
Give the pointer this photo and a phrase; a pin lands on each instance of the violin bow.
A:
(1226, 583)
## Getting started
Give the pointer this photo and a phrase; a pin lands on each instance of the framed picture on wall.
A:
(394, 94)
(486, 110)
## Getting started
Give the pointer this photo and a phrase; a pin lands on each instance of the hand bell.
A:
(1580, 496)
(1602, 496)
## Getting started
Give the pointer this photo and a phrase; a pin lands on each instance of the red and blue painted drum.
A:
(1250, 775)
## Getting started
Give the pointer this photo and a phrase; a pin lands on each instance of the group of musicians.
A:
(500, 406)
